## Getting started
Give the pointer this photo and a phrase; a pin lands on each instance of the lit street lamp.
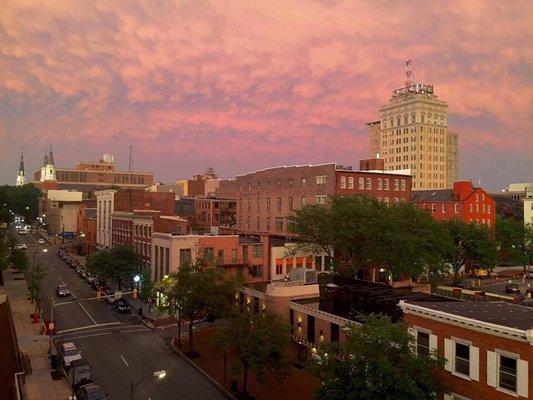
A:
(157, 374)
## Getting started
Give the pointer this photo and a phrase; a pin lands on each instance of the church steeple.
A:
(45, 160)
(48, 170)
(51, 156)
(21, 179)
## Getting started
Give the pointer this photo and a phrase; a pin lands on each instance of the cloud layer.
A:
(247, 84)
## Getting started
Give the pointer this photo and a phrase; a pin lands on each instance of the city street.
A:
(119, 347)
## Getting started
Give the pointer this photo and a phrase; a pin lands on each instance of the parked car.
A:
(62, 290)
(78, 373)
(122, 306)
(81, 272)
(511, 288)
(68, 352)
(90, 391)
(41, 241)
(481, 273)
(21, 246)
(22, 232)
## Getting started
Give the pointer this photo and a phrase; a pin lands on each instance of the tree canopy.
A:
(22, 200)
(471, 243)
(259, 340)
(377, 361)
(18, 259)
(118, 264)
(515, 240)
(363, 232)
(198, 290)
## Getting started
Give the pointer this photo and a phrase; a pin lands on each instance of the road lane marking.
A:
(136, 330)
(123, 359)
(82, 337)
(89, 327)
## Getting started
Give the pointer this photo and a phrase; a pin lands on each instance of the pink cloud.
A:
(270, 82)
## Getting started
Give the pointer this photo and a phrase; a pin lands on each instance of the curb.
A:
(217, 385)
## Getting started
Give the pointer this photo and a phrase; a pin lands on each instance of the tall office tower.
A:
(413, 134)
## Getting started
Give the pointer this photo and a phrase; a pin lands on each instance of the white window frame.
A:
(321, 179)
(493, 372)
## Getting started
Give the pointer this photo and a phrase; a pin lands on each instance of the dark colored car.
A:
(122, 306)
(90, 392)
(511, 288)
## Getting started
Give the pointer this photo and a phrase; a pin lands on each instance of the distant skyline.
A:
(248, 85)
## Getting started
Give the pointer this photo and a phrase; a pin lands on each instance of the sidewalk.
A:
(38, 381)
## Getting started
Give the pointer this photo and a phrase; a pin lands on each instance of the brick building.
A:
(88, 176)
(488, 346)
(247, 256)
(464, 201)
(267, 197)
(127, 200)
(87, 229)
(211, 211)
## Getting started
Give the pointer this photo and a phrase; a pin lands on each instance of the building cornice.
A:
(467, 323)
(335, 319)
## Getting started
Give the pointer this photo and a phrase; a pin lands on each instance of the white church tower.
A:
(48, 170)
(21, 179)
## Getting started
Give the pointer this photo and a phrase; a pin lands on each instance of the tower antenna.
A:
(130, 159)
(408, 73)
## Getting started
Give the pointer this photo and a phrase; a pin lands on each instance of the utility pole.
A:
(51, 324)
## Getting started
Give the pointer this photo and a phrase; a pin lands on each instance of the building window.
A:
(249, 204)
(368, 184)
(268, 223)
(361, 183)
(456, 208)
(304, 201)
(422, 343)
(320, 199)
(321, 180)
(396, 184)
(343, 182)
(291, 203)
(402, 185)
(258, 204)
(433, 208)
(380, 184)
(268, 204)
(443, 208)
(507, 373)
(334, 333)
(279, 223)
(278, 182)
(258, 251)
(220, 256)
(303, 182)
(386, 184)
(233, 256)
(279, 204)
(488, 208)
(471, 208)
(311, 328)
(290, 183)
(350, 182)
(462, 359)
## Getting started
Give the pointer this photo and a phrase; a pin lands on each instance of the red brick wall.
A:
(484, 341)
(375, 185)
(121, 232)
(129, 200)
(264, 185)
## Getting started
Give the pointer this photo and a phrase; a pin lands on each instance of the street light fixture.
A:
(156, 374)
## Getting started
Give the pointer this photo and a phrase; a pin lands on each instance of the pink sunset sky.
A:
(243, 85)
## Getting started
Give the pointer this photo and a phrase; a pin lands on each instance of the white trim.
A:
(322, 314)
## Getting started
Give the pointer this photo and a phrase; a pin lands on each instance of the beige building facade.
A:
(413, 134)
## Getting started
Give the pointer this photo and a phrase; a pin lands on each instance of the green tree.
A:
(365, 233)
(377, 361)
(515, 240)
(18, 259)
(4, 252)
(34, 285)
(118, 264)
(259, 342)
(471, 244)
(197, 290)
(22, 200)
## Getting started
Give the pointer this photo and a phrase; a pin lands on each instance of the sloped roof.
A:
(432, 195)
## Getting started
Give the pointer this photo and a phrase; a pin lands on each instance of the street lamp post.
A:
(158, 374)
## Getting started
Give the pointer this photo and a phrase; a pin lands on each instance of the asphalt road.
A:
(119, 348)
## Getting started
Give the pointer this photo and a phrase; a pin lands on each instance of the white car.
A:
(69, 352)
(21, 246)
(41, 241)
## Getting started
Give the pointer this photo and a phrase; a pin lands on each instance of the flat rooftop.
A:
(494, 312)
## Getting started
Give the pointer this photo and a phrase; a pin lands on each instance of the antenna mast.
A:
(130, 159)
(408, 73)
